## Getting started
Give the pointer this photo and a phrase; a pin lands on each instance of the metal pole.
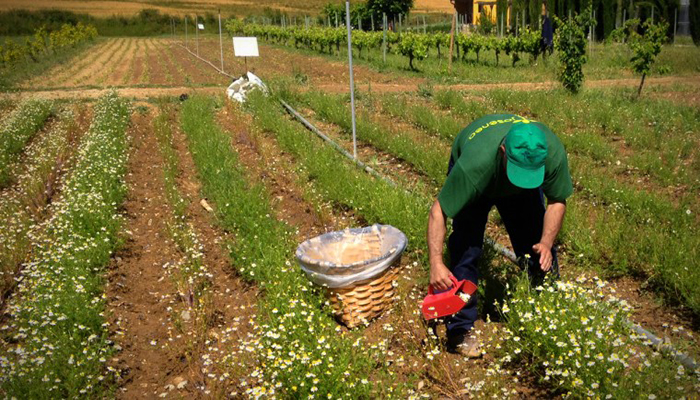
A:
(593, 32)
(502, 22)
(675, 25)
(652, 14)
(352, 80)
(425, 25)
(186, 32)
(371, 17)
(221, 43)
(196, 32)
(384, 23)
(400, 22)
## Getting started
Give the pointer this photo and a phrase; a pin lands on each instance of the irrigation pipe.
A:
(208, 62)
(328, 140)
(654, 340)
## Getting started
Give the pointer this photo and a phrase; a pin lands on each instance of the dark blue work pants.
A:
(523, 216)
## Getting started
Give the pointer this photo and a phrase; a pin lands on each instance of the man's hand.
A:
(440, 277)
(545, 253)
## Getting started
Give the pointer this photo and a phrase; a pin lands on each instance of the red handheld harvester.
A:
(449, 302)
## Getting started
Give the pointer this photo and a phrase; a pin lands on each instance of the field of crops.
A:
(148, 238)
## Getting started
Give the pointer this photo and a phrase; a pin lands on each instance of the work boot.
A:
(464, 344)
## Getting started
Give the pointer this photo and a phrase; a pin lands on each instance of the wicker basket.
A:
(364, 300)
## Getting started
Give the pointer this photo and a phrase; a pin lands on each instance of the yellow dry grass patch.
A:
(433, 6)
(127, 8)
(177, 7)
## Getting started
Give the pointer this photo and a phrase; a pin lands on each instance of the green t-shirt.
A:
(478, 169)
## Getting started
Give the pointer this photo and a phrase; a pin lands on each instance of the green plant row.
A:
(43, 42)
(412, 45)
(442, 126)
(22, 205)
(17, 129)
(430, 157)
(56, 325)
(296, 349)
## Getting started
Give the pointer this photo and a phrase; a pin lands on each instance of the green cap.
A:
(526, 151)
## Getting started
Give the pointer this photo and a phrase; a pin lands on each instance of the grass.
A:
(428, 157)
(17, 130)
(298, 349)
(56, 326)
(606, 62)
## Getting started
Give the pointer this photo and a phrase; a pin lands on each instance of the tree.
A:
(646, 47)
(694, 11)
(570, 42)
(392, 8)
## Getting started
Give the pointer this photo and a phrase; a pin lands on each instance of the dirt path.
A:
(139, 289)
(142, 93)
(165, 347)
(233, 302)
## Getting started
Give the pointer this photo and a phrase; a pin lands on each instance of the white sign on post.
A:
(245, 47)
(200, 26)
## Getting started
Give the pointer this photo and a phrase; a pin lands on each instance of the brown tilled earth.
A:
(153, 67)
(158, 356)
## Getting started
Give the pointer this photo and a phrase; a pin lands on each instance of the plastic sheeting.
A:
(239, 89)
(341, 258)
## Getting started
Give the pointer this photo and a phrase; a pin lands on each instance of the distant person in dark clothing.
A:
(547, 35)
